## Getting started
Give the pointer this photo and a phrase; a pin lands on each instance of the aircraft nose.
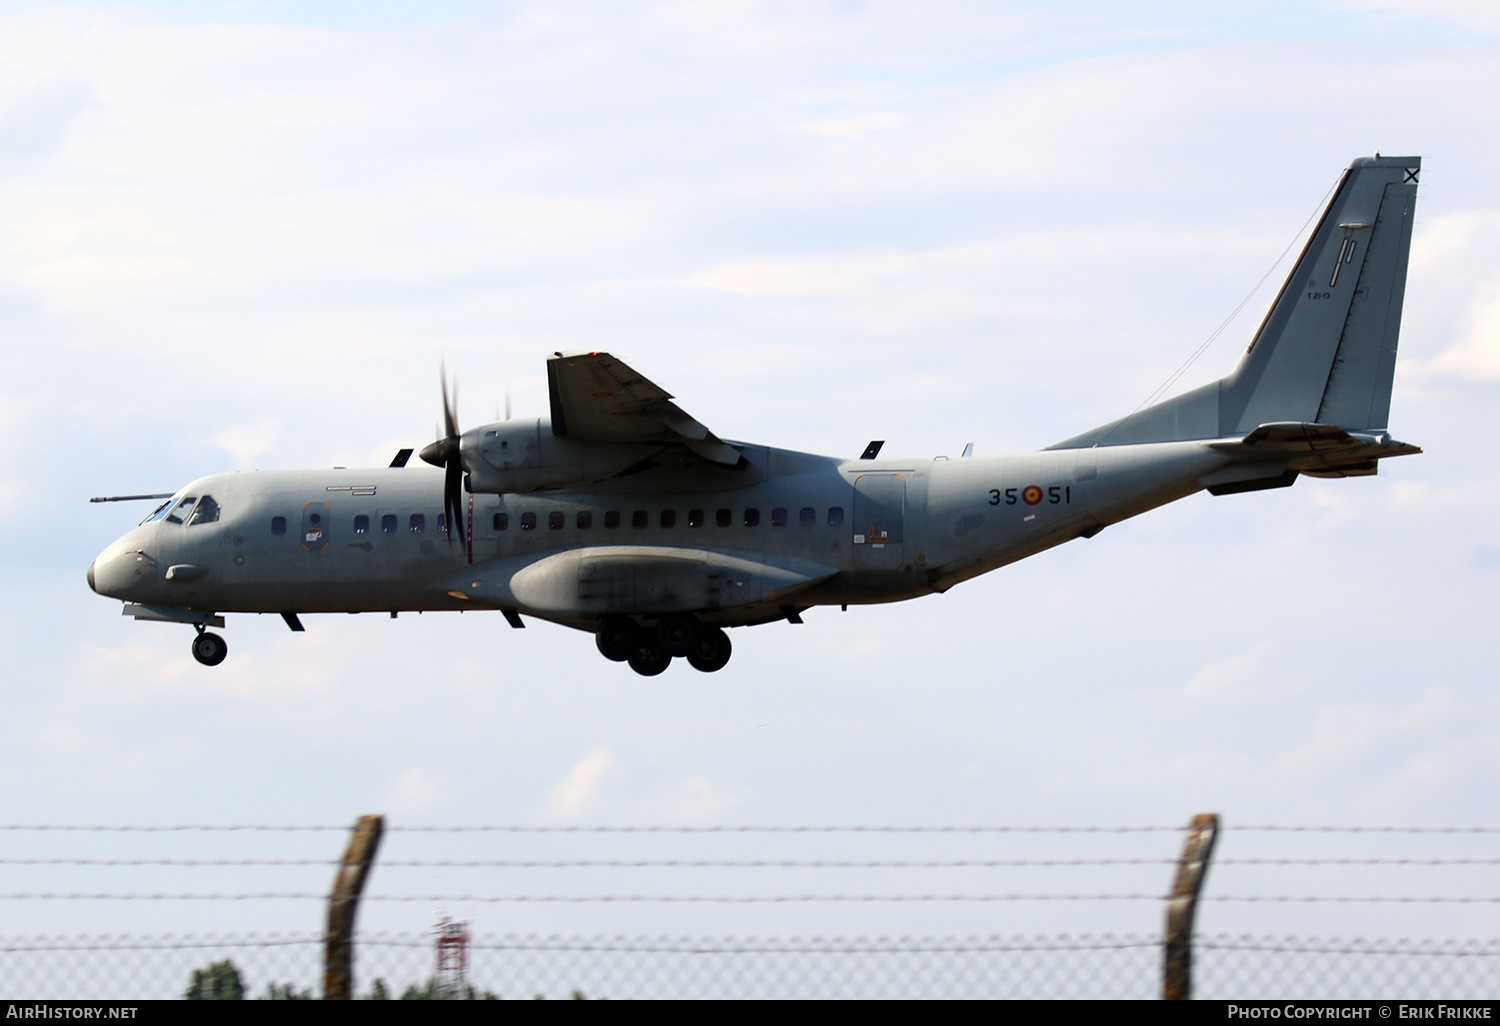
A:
(115, 573)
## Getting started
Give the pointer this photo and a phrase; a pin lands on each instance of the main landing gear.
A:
(649, 652)
(209, 649)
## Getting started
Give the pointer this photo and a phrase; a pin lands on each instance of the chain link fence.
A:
(749, 891)
(401, 965)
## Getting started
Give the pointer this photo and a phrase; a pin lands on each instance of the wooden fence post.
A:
(343, 902)
(1177, 968)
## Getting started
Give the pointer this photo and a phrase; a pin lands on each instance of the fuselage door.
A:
(879, 502)
(316, 521)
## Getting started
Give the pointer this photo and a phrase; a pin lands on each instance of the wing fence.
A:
(140, 912)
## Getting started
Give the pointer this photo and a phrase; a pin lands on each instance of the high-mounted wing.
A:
(601, 399)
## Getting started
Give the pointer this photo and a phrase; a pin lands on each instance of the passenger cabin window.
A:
(724, 517)
(442, 522)
(206, 513)
(417, 524)
(638, 519)
(388, 523)
(611, 519)
(528, 521)
(808, 517)
(585, 520)
(502, 521)
(695, 518)
(669, 518)
(181, 509)
(835, 516)
(778, 517)
(361, 524)
(556, 519)
(278, 525)
(752, 517)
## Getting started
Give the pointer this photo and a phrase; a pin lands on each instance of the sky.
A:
(244, 236)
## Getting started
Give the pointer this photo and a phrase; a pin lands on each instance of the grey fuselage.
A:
(878, 530)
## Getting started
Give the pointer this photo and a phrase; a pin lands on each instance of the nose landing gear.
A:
(209, 649)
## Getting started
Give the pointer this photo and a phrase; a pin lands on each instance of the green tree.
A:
(286, 992)
(429, 992)
(218, 982)
(378, 992)
(424, 993)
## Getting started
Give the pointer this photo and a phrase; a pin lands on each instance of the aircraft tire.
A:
(678, 633)
(209, 649)
(617, 638)
(649, 660)
(712, 651)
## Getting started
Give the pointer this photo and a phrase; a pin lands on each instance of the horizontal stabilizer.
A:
(1319, 450)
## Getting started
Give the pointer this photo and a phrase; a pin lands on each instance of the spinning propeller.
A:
(445, 453)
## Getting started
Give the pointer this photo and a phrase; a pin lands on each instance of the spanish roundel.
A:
(1032, 494)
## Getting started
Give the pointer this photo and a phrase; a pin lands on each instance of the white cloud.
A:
(246, 442)
(694, 798)
(1344, 735)
(415, 790)
(1475, 356)
(1225, 677)
(1476, 15)
(856, 127)
(581, 790)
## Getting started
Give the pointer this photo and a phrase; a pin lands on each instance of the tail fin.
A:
(1326, 351)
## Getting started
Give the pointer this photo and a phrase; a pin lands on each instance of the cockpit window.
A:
(206, 513)
(181, 509)
(158, 512)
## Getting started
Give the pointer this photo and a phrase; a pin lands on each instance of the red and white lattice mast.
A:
(450, 958)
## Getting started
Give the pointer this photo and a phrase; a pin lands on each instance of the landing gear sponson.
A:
(649, 652)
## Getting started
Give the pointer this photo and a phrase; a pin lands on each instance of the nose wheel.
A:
(209, 649)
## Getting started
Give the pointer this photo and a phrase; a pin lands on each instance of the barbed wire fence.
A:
(883, 962)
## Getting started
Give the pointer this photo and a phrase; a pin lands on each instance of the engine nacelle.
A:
(525, 456)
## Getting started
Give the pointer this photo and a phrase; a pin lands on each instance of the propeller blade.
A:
(453, 495)
(450, 410)
(446, 452)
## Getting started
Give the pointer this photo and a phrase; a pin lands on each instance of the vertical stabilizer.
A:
(1326, 351)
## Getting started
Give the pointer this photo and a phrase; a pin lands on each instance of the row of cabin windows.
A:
(640, 519)
(584, 519)
(389, 524)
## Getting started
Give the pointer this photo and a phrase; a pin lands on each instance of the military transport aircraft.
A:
(624, 516)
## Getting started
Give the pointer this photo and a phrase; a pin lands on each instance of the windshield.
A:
(164, 508)
(157, 512)
(180, 510)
